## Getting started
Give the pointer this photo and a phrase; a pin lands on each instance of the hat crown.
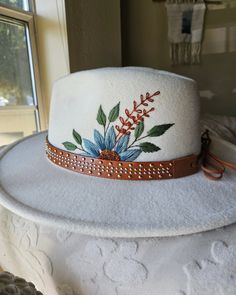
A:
(129, 114)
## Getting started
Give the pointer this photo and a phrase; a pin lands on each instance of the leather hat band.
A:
(121, 169)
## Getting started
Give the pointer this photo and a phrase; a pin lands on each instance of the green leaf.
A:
(77, 137)
(114, 113)
(158, 130)
(69, 146)
(148, 147)
(139, 130)
(101, 117)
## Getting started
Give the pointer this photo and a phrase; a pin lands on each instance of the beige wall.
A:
(87, 29)
(93, 33)
(94, 36)
(52, 46)
(144, 28)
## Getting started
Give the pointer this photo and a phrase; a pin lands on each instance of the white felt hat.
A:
(87, 111)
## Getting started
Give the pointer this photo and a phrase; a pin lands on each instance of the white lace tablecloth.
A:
(62, 262)
(67, 263)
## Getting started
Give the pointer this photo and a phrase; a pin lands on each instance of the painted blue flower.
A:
(107, 147)
(116, 146)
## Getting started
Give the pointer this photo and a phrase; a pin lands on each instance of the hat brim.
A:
(31, 186)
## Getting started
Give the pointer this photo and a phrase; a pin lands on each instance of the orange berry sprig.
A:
(136, 115)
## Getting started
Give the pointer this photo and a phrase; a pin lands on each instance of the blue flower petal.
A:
(122, 144)
(110, 139)
(91, 148)
(99, 139)
(130, 155)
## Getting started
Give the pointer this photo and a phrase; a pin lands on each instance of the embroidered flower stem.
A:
(140, 119)
(81, 149)
(130, 128)
(135, 119)
(72, 147)
(132, 144)
(106, 128)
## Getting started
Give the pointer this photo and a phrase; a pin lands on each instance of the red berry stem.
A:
(134, 119)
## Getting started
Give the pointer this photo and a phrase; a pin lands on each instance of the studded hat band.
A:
(121, 169)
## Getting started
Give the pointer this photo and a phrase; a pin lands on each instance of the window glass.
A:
(15, 75)
(20, 4)
(18, 113)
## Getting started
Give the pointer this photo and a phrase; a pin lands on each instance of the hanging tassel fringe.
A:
(185, 26)
(185, 53)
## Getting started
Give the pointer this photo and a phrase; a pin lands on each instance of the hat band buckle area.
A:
(122, 170)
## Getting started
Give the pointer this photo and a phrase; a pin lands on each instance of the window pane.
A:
(15, 76)
(18, 110)
(20, 4)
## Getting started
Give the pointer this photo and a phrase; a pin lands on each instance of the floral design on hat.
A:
(114, 142)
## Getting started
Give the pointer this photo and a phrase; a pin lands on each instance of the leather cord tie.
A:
(212, 166)
(122, 169)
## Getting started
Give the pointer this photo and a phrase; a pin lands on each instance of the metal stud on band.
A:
(122, 170)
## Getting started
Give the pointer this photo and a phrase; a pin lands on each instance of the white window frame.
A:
(28, 18)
